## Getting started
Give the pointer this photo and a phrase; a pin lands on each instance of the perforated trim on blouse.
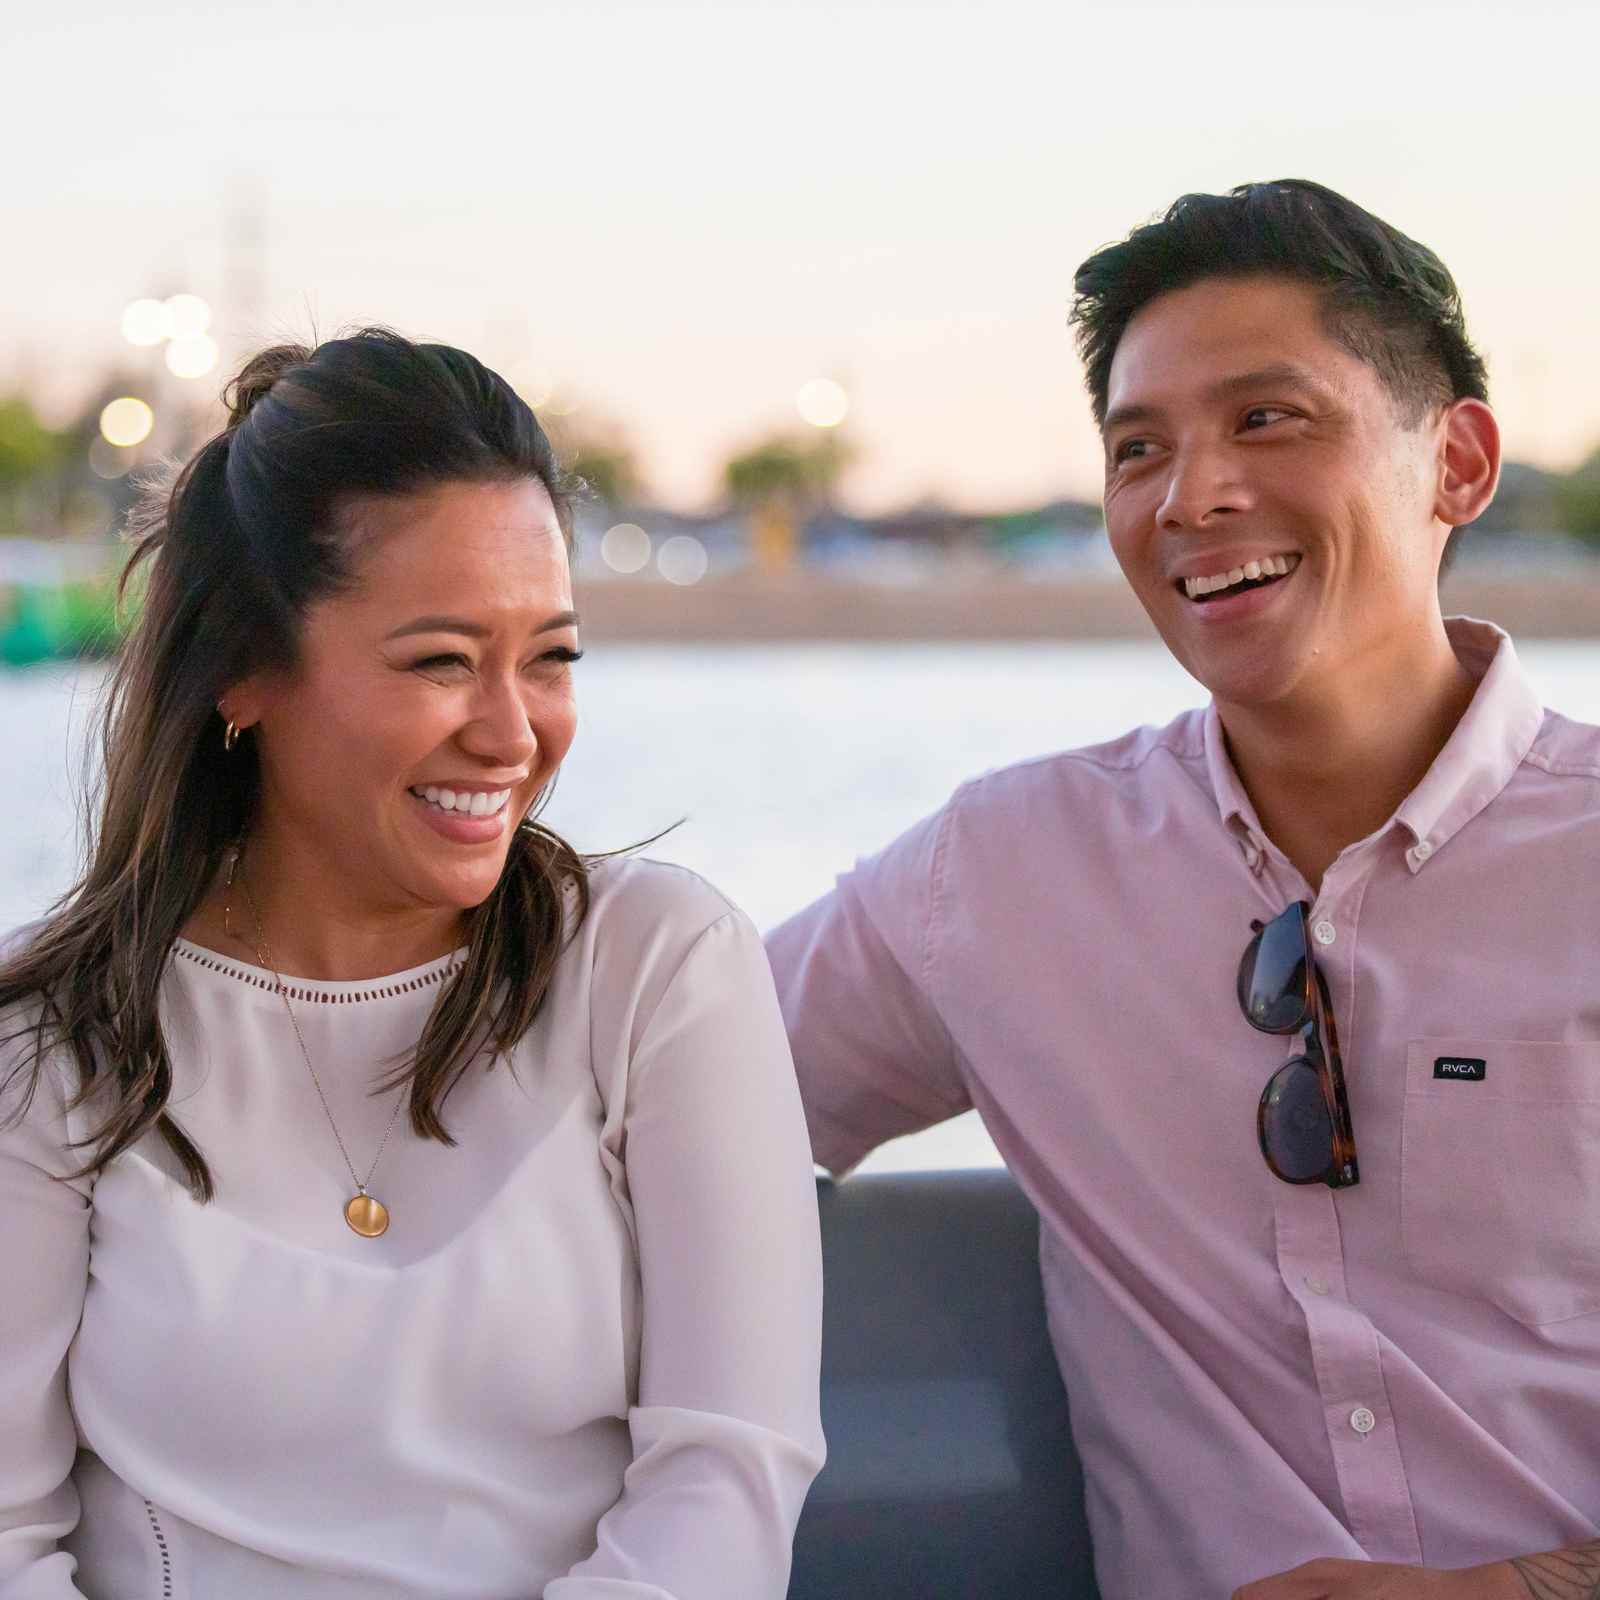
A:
(324, 993)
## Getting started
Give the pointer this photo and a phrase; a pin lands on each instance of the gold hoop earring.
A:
(230, 735)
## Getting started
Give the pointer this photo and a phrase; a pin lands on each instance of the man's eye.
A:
(1260, 416)
(1130, 450)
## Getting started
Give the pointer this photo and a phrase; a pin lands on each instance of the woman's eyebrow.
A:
(474, 630)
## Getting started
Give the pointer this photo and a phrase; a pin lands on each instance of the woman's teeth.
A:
(1250, 572)
(483, 803)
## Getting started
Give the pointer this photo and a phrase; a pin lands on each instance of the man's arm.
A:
(1570, 1574)
(854, 974)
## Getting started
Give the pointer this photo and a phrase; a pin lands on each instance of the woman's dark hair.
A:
(1386, 298)
(250, 535)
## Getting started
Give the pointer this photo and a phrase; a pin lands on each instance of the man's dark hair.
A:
(1386, 298)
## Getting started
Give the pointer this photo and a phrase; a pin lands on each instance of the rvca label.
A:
(1467, 1069)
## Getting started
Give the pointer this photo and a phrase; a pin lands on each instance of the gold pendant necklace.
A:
(365, 1213)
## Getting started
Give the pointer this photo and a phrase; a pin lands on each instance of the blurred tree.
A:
(30, 457)
(1578, 499)
(602, 455)
(802, 472)
(28, 449)
(779, 481)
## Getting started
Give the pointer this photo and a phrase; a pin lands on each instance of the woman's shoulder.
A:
(36, 1078)
(13, 941)
(646, 917)
(657, 894)
(20, 1015)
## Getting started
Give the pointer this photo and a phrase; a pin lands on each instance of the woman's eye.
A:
(562, 656)
(441, 663)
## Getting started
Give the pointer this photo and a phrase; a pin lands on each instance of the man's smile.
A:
(1253, 573)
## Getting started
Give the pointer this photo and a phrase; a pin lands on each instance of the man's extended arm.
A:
(853, 975)
(1570, 1574)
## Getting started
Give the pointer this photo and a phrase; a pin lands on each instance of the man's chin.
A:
(1240, 674)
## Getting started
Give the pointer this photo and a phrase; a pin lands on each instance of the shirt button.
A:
(1325, 932)
(1422, 850)
(1363, 1420)
(1317, 1285)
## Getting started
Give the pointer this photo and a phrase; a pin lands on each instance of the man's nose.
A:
(1205, 485)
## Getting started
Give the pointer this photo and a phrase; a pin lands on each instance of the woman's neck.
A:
(294, 916)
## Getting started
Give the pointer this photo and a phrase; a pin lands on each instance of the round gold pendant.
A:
(367, 1216)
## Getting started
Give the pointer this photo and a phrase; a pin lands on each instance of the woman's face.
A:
(431, 703)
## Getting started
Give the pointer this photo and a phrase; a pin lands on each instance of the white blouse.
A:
(581, 1364)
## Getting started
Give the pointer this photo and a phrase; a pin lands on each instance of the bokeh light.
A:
(822, 402)
(107, 460)
(682, 559)
(126, 422)
(626, 547)
(189, 316)
(192, 357)
(146, 322)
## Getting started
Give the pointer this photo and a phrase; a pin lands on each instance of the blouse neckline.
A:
(324, 991)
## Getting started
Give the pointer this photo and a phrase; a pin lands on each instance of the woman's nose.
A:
(501, 729)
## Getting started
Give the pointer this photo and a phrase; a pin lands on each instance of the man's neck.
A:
(1326, 769)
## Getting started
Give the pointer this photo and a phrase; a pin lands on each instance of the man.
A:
(1383, 1377)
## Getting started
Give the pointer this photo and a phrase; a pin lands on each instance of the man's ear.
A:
(1469, 462)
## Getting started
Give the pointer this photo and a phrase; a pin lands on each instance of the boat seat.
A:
(951, 1472)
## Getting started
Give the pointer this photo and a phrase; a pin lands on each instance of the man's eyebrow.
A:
(1279, 373)
(474, 630)
(1121, 416)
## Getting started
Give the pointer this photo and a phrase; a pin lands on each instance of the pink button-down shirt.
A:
(1260, 1374)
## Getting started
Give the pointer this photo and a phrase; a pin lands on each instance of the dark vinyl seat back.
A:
(951, 1472)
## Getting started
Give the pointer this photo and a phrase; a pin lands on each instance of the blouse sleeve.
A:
(726, 1433)
(44, 1265)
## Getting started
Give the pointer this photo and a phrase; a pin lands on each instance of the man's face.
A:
(1243, 442)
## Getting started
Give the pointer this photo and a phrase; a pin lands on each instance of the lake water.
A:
(784, 762)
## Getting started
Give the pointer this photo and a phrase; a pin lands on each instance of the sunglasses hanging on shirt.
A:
(1303, 1120)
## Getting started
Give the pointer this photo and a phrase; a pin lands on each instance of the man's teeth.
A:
(484, 803)
(1271, 567)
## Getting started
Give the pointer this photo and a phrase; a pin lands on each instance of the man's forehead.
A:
(1218, 334)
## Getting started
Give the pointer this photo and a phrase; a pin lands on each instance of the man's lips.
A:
(1224, 576)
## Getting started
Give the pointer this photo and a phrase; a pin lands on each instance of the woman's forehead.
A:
(491, 547)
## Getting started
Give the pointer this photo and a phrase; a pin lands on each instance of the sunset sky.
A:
(673, 215)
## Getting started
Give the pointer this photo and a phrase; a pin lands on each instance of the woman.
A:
(395, 1203)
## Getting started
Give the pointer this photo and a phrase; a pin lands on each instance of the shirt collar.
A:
(1496, 731)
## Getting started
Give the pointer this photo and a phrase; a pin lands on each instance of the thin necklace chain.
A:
(264, 956)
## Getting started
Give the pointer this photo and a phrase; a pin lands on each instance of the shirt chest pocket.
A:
(1500, 1173)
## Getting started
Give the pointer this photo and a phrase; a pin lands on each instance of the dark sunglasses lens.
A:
(1296, 1129)
(1272, 975)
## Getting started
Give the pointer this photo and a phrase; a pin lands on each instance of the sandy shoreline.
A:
(751, 606)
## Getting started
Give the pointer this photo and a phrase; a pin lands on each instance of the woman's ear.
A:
(243, 702)
(1469, 462)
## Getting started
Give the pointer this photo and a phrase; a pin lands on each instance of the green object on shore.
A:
(56, 623)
